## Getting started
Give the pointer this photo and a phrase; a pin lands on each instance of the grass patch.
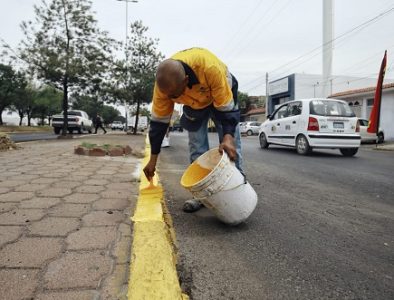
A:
(12, 129)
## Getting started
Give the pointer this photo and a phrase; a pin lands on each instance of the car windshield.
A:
(74, 113)
(330, 108)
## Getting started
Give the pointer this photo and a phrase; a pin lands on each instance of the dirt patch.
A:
(6, 143)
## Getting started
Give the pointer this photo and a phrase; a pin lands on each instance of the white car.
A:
(312, 123)
(369, 137)
(76, 119)
(249, 128)
(117, 125)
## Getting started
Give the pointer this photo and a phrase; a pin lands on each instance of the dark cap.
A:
(191, 119)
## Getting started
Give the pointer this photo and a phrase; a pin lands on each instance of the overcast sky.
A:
(251, 36)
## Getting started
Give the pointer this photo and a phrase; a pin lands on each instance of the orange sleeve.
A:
(162, 106)
(220, 89)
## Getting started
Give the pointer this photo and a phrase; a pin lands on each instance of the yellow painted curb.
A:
(153, 262)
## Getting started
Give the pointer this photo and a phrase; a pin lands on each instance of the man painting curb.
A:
(198, 79)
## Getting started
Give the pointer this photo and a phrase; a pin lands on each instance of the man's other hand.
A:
(228, 146)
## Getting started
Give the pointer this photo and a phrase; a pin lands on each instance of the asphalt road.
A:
(32, 136)
(323, 227)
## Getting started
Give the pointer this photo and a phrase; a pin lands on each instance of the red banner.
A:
(373, 125)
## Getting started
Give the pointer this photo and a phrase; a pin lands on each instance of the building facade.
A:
(361, 101)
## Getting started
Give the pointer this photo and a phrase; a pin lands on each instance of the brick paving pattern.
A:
(65, 230)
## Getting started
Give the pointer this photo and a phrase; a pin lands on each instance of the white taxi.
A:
(312, 123)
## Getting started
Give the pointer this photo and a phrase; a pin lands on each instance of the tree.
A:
(109, 114)
(134, 78)
(8, 87)
(244, 102)
(65, 48)
(48, 101)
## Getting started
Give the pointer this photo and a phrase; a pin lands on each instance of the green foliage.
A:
(48, 102)
(109, 114)
(12, 86)
(133, 78)
(243, 100)
(65, 48)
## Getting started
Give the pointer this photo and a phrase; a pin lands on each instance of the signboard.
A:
(279, 86)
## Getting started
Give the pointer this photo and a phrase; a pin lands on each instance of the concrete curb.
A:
(153, 272)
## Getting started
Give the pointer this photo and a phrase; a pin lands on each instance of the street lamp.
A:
(127, 36)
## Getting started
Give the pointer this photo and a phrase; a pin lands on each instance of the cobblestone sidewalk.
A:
(65, 230)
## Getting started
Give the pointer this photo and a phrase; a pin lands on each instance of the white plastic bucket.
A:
(217, 183)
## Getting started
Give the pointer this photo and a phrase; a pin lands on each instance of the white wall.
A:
(387, 115)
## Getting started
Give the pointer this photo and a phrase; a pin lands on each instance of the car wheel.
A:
(348, 151)
(249, 132)
(263, 141)
(79, 130)
(302, 145)
(380, 137)
(56, 130)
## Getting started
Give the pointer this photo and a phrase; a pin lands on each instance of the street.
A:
(323, 227)
(32, 136)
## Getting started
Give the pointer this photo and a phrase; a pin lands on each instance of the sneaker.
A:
(192, 205)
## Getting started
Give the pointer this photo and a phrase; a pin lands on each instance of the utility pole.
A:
(328, 34)
(266, 94)
(126, 54)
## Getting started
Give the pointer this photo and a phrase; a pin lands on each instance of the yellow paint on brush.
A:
(153, 262)
(194, 174)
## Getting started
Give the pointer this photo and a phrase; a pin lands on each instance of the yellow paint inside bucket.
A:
(194, 174)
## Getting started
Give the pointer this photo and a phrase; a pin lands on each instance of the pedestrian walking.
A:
(99, 124)
(198, 79)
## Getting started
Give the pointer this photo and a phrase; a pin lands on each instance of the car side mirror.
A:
(269, 117)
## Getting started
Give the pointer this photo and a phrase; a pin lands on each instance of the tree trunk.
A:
(20, 117)
(137, 116)
(1, 112)
(28, 119)
(42, 120)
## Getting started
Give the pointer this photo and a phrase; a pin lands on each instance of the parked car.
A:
(369, 137)
(312, 123)
(249, 128)
(77, 120)
(117, 125)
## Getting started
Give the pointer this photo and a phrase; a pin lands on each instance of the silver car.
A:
(249, 128)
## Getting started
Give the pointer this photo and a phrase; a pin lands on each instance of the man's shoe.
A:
(192, 205)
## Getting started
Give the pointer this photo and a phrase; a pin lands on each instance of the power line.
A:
(355, 29)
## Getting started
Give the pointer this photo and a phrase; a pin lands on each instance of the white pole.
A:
(328, 35)
(266, 94)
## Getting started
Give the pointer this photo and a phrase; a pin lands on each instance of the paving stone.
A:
(111, 204)
(116, 285)
(30, 252)
(21, 216)
(18, 284)
(73, 177)
(81, 198)
(77, 270)
(116, 194)
(55, 175)
(100, 182)
(97, 152)
(85, 174)
(93, 189)
(70, 295)
(66, 184)
(54, 192)
(106, 171)
(7, 206)
(31, 187)
(116, 151)
(9, 234)
(4, 190)
(24, 177)
(15, 196)
(98, 218)
(125, 229)
(125, 178)
(69, 210)
(38, 202)
(122, 250)
(128, 186)
(54, 226)
(44, 180)
(89, 238)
